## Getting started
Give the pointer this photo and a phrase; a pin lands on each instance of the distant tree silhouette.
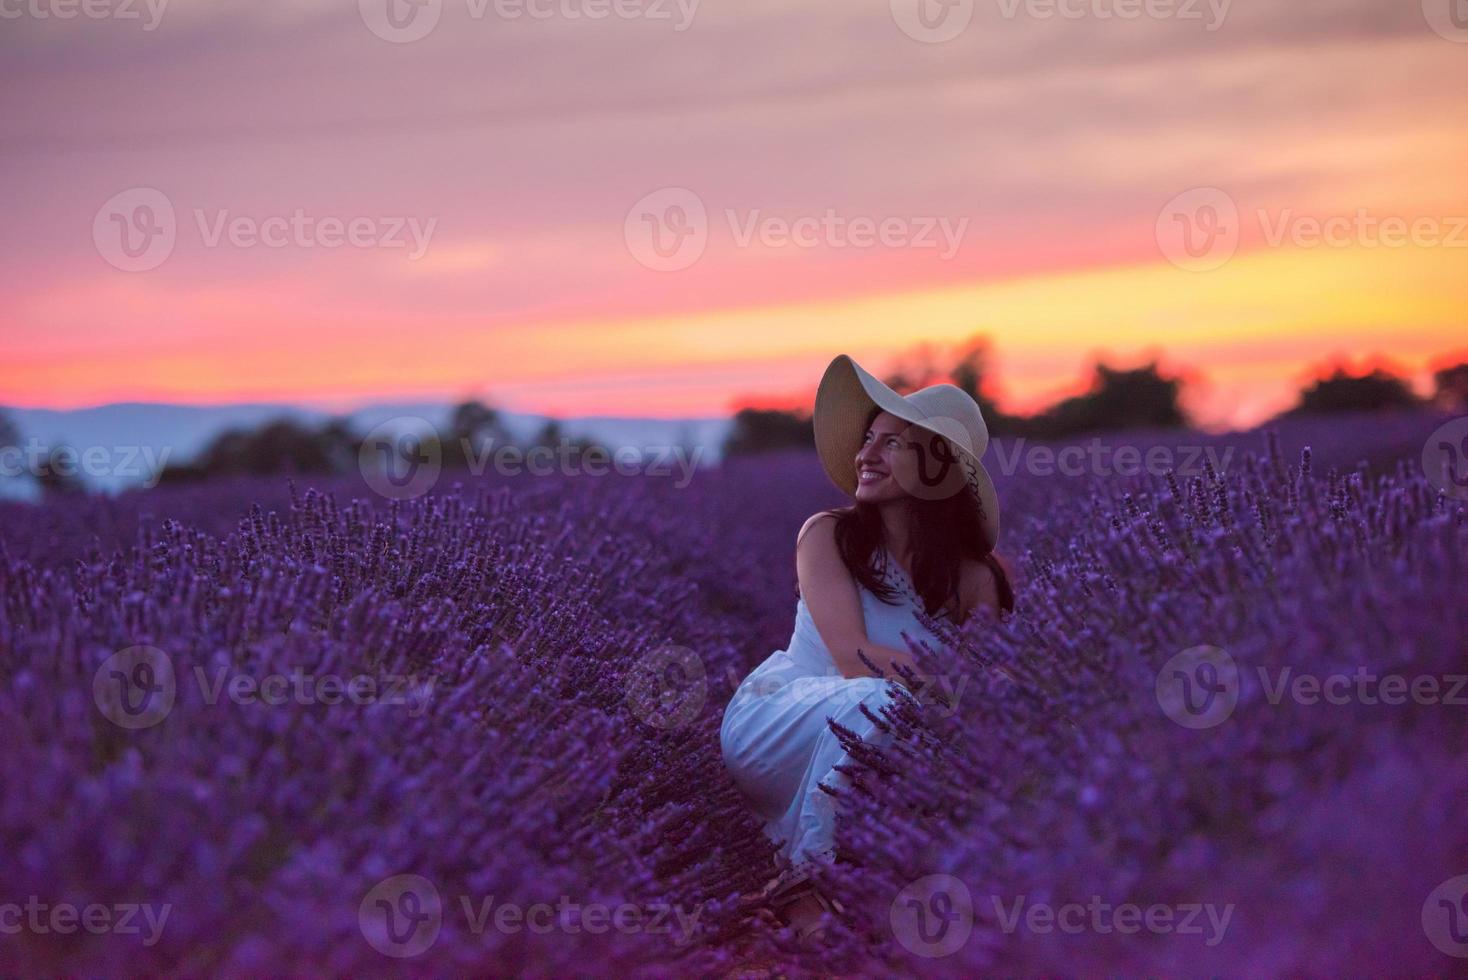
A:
(971, 371)
(48, 477)
(1133, 398)
(1116, 399)
(759, 430)
(55, 482)
(279, 446)
(1145, 398)
(1451, 388)
(286, 446)
(1345, 392)
(473, 428)
(552, 435)
(916, 369)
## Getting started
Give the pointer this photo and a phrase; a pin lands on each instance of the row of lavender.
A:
(525, 777)
(1225, 737)
(344, 734)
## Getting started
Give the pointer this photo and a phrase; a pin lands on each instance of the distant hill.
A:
(182, 431)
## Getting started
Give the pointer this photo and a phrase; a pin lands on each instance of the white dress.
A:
(775, 740)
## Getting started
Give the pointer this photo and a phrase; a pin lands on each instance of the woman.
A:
(917, 542)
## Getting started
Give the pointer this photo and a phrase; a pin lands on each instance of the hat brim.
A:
(847, 393)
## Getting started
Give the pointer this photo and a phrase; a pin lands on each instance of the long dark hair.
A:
(942, 532)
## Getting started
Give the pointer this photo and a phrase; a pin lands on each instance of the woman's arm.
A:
(835, 604)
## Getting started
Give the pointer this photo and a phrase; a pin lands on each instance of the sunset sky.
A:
(537, 156)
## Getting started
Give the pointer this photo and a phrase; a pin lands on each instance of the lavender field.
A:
(263, 727)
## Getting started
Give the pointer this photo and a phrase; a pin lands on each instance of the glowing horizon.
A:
(1072, 154)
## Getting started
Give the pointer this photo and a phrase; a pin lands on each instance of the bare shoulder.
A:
(978, 587)
(818, 528)
(817, 555)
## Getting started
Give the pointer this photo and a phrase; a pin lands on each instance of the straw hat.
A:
(848, 393)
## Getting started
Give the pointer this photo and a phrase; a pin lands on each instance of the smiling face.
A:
(885, 461)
